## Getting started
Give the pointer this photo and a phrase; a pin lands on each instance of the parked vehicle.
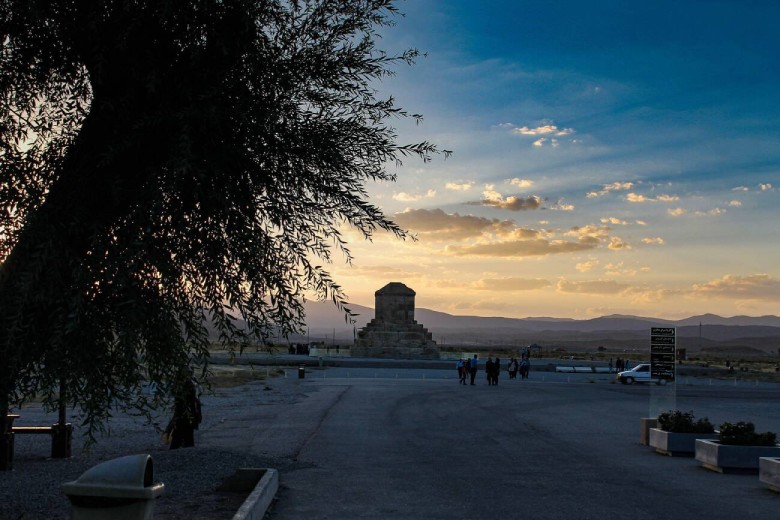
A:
(639, 374)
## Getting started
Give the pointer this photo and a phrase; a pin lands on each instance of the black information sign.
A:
(663, 343)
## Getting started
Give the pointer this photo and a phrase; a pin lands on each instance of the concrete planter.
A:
(726, 458)
(645, 423)
(769, 472)
(676, 444)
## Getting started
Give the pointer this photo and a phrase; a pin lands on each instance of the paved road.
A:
(411, 448)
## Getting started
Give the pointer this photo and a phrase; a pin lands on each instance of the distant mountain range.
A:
(325, 322)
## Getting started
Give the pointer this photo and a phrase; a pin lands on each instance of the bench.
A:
(60, 437)
(32, 429)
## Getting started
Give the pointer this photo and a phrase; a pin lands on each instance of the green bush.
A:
(744, 434)
(683, 422)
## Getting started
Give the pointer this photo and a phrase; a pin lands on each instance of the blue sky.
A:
(609, 157)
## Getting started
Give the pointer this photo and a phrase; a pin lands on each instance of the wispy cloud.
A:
(521, 183)
(408, 197)
(584, 267)
(765, 187)
(614, 221)
(544, 129)
(607, 188)
(511, 284)
(635, 197)
(676, 212)
(654, 241)
(524, 248)
(714, 212)
(437, 225)
(462, 186)
(752, 287)
(591, 287)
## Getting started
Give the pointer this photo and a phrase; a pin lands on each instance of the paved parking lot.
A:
(405, 447)
(395, 442)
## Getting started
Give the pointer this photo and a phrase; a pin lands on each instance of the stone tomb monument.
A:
(393, 333)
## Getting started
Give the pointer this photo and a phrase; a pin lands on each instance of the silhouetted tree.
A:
(170, 163)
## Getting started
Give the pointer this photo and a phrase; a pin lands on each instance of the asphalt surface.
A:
(396, 440)
(413, 447)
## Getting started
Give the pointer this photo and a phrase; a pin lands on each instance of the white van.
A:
(639, 374)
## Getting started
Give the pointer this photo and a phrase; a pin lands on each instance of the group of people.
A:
(523, 367)
(467, 369)
(620, 364)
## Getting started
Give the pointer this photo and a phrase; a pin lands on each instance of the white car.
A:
(639, 374)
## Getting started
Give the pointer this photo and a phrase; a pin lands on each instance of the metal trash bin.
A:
(301, 371)
(119, 489)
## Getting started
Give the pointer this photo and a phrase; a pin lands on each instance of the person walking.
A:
(496, 370)
(489, 371)
(461, 366)
(473, 368)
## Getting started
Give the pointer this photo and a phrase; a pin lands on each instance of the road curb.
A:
(256, 504)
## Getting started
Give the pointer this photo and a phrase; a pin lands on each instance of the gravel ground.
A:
(191, 476)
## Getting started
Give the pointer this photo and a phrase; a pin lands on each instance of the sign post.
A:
(663, 346)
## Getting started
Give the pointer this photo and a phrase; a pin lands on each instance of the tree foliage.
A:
(169, 163)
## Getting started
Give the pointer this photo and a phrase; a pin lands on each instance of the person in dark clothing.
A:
(489, 371)
(496, 371)
(473, 368)
(187, 414)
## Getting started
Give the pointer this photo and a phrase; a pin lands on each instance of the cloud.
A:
(765, 187)
(464, 186)
(635, 197)
(618, 270)
(614, 221)
(676, 212)
(740, 188)
(524, 248)
(753, 287)
(657, 241)
(540, 142)
(521, 183)
(584, 267)
(591, 287)
(560, 206)
(512, 203)
(545, 129)
(617, 244)
(714, 212)
(735, 203)
(607, 188)
(588, 231)
(406, 197)
(436, 225)
(511, 284)
(382, 271)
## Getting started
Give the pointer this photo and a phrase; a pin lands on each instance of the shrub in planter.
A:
(677, 421)
(744, 434)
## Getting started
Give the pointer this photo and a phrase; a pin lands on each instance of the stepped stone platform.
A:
(394, 333)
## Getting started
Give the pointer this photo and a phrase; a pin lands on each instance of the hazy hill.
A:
(326, 323)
